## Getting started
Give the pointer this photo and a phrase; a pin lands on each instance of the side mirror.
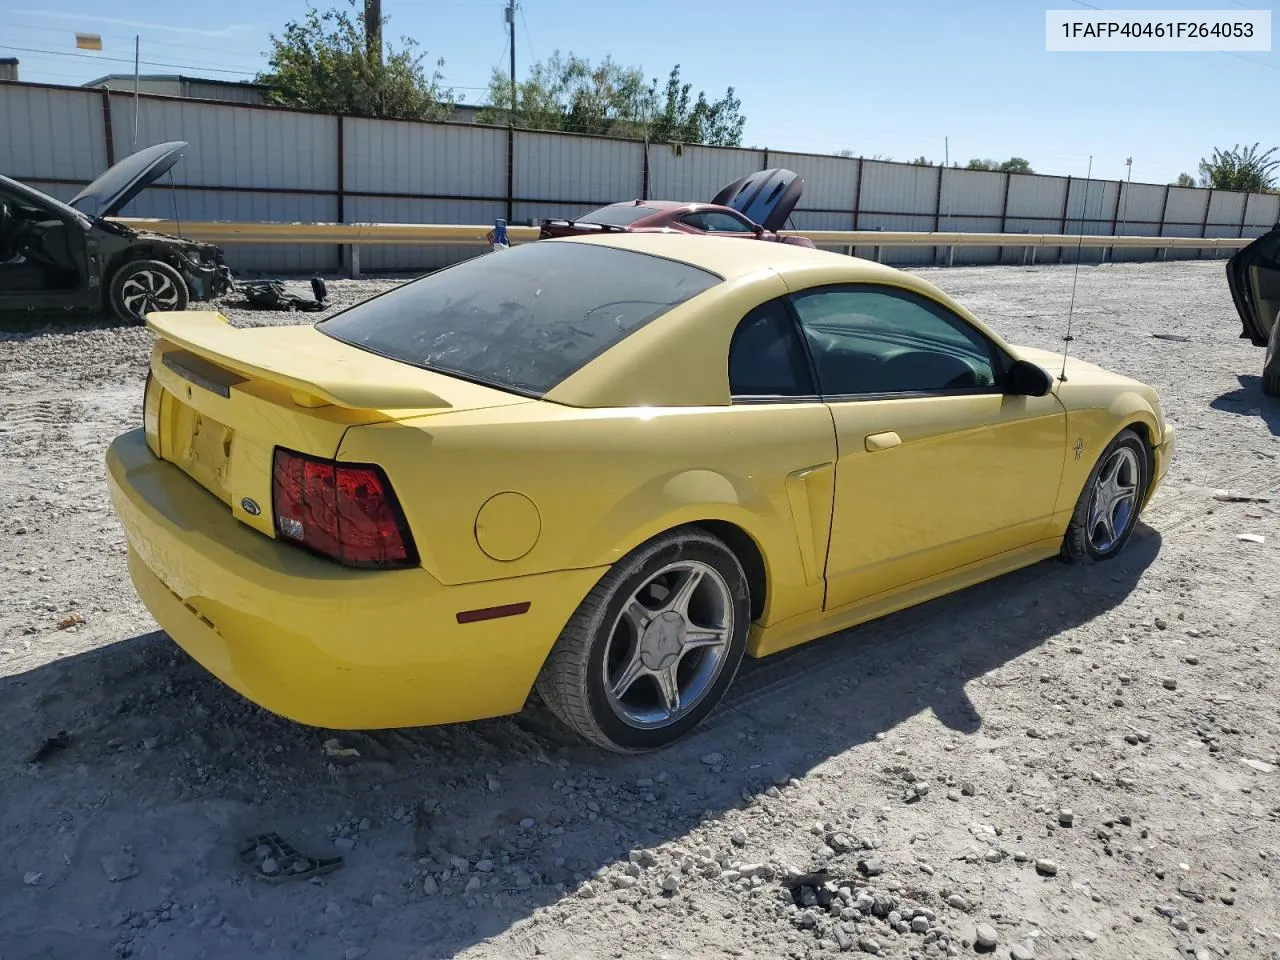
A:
(1025, 379)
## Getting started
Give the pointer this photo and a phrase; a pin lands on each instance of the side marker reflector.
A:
(493, 613)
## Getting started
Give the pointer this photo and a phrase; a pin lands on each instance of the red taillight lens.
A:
(346, 511)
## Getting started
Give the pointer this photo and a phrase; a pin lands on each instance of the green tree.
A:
(922, 162)
(1184, 180)
(1012, 165)
(569, 93)
(322, 62)
(1237, 169)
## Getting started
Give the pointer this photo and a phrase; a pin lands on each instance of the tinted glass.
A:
(618, 214)
(766, 357)
(521, 319)
(717, 223)
(866, 340)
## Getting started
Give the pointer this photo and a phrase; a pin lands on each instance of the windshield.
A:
(618, 214)
(522, 319)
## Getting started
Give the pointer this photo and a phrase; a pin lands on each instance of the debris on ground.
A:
(273, 859)
(59, 741)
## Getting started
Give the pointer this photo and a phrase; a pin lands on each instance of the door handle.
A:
(882, 441)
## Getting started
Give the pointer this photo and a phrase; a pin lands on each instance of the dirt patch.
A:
(1062, 762)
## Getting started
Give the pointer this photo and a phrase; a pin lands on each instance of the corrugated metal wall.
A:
(248, 163)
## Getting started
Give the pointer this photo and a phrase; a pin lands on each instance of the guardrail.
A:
(369, 234)
(355, 235)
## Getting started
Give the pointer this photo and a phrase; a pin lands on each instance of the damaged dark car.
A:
(1253, 276)
(70, 258)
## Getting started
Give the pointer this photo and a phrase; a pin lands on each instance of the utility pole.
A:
(511, 37)
(1124, 207)
(373, 32)
(137, 68)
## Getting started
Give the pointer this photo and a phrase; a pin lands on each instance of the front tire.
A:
(1271, 365)
(1107, 511)
(147, 286)
(652, 648)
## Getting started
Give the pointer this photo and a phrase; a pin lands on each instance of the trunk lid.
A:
(123, 181)
(221, 399)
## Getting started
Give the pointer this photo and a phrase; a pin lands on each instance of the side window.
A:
(766, 356)
(881, 340)
(714, 222)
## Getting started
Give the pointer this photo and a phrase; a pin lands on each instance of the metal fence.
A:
(258, 164)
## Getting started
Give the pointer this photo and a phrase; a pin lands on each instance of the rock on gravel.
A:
(985, 936)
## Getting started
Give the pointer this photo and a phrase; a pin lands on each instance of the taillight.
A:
(346, 511)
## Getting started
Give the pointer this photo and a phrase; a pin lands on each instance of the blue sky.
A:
(888, 78)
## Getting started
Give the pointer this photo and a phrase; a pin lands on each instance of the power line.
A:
(528, 38)
(150, 63)
(148, 39)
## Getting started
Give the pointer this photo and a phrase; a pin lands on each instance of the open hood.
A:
(126, 179)
(766, 197)
(1253, 276)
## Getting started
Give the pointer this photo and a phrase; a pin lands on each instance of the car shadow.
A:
(1250, 401)
(167, 763)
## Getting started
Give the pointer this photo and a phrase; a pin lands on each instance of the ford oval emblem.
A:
(250, 506)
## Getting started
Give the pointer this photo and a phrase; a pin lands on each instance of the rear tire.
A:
(147, 286)
(652, 648)
(1107, 511)
(1271, 365)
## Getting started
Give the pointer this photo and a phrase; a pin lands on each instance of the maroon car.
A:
(754, 207)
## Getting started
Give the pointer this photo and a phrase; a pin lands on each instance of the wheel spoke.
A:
(637, 614)
(696, 637)
(632, 672)
(1111, 471)
(1106, 520)
(678, 599)
(669, 687)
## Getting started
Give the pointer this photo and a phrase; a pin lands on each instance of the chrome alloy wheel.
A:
(669, 644)
(1114, 499)
(148, 291)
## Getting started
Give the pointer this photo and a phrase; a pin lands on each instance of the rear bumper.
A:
(317, 642)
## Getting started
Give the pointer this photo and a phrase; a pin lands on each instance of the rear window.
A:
(523, 319)
(617, 214)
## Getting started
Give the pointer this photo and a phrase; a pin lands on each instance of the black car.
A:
(1253, 275)
(69, 258)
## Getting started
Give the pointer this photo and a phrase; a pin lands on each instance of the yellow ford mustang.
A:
(605, 468)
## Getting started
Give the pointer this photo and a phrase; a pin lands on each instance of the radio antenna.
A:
(1084, 209)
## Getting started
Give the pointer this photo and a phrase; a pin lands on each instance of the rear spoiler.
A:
(316, 372)
(575, 225)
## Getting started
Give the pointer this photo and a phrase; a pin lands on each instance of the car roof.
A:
(731, 258)
(680, 358)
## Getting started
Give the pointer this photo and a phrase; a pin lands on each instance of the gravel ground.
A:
(1064, 762)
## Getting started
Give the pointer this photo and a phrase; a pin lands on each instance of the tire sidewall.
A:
(726, 564)
(126, 270)
(1126, 438)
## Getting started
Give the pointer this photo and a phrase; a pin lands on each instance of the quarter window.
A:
(766, 357)
(870, 341)
(715, 222)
